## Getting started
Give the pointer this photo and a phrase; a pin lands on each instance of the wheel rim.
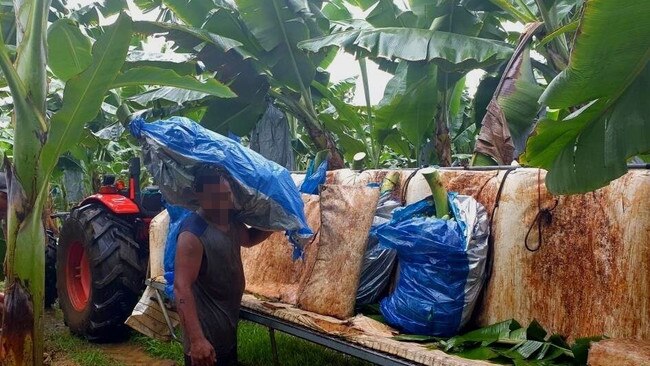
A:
(78, 276)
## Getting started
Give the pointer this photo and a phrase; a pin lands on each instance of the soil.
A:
(127, 354)
(132, 355)
(54, 326)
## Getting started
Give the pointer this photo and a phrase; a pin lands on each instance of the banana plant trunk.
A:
(320, 137)
(21, 340)
(443, 141)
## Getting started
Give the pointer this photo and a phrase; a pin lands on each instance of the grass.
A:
(164, 350)
(59, 340)
(255, 349)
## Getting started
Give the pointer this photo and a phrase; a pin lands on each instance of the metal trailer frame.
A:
(273, 323)
(326, 340)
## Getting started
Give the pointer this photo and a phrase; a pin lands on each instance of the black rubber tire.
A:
(50, 269)
(117, 266)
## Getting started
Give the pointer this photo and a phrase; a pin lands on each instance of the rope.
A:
(490, 254)
(406, 185)
(544, 216)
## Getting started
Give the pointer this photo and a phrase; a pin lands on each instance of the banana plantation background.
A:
(274, 54)
(567, 93)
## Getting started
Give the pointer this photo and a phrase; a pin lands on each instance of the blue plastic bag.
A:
(421, 208)
(442, 266)
(264, 192)
(177, 215)
(313, 179)
(378, 261)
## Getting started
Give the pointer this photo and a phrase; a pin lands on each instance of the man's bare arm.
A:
(189, 253)
(251, 236)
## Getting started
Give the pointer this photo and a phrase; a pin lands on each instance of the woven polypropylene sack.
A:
(346, 216)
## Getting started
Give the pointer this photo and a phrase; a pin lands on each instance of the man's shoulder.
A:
(194, 224)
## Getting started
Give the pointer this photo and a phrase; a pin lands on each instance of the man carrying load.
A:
(209, 276)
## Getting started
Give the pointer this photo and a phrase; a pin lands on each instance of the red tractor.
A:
(102, 256)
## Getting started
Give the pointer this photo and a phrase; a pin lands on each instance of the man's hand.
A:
(251, 236)
(202, 353)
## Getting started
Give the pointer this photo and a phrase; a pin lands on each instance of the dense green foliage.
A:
(568, 93)
(277, 52)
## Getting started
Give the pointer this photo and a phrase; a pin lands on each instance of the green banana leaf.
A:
(394, 140)
(189, 37)
(387, 14)
(527, 348)
(349, 117)
(410, 102)
(590, 147)
(90, 14)
(146, 6)
(363, 4)
(181, 63)
(174, 95)
(234, 115)
(427, 11)
(228, 57)
(416, 338)
(335, 10)
(350, 145)
(191, 12)
(517, 102)
(278, 25)
(244, 74)
(149, 75)
(487, 335)
(603, 72)
(462, 129)
(68, 51)
(224, 21)
(481, 353)
(240, 114)
(535, 331)
(85, 92)
(581, 346)
(347, 124)
(451, 51)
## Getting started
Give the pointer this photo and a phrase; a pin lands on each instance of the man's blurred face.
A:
(216, 196)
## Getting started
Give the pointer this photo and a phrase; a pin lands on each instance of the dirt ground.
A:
(54, 327)
(127, 354)
(132, 355)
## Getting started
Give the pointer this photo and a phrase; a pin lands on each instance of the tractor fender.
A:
(117, 203)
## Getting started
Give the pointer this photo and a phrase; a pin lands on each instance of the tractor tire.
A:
(100, 273)
(50, 270)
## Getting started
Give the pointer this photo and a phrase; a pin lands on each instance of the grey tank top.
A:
(219, 286)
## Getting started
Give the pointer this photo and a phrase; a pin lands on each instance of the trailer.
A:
(595, 241)
(160, 322)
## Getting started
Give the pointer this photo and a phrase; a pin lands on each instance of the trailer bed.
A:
(360, 336)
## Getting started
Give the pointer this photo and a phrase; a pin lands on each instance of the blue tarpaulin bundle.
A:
(442, 266)
(174, 150)
(177, 215)
(314, 178)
